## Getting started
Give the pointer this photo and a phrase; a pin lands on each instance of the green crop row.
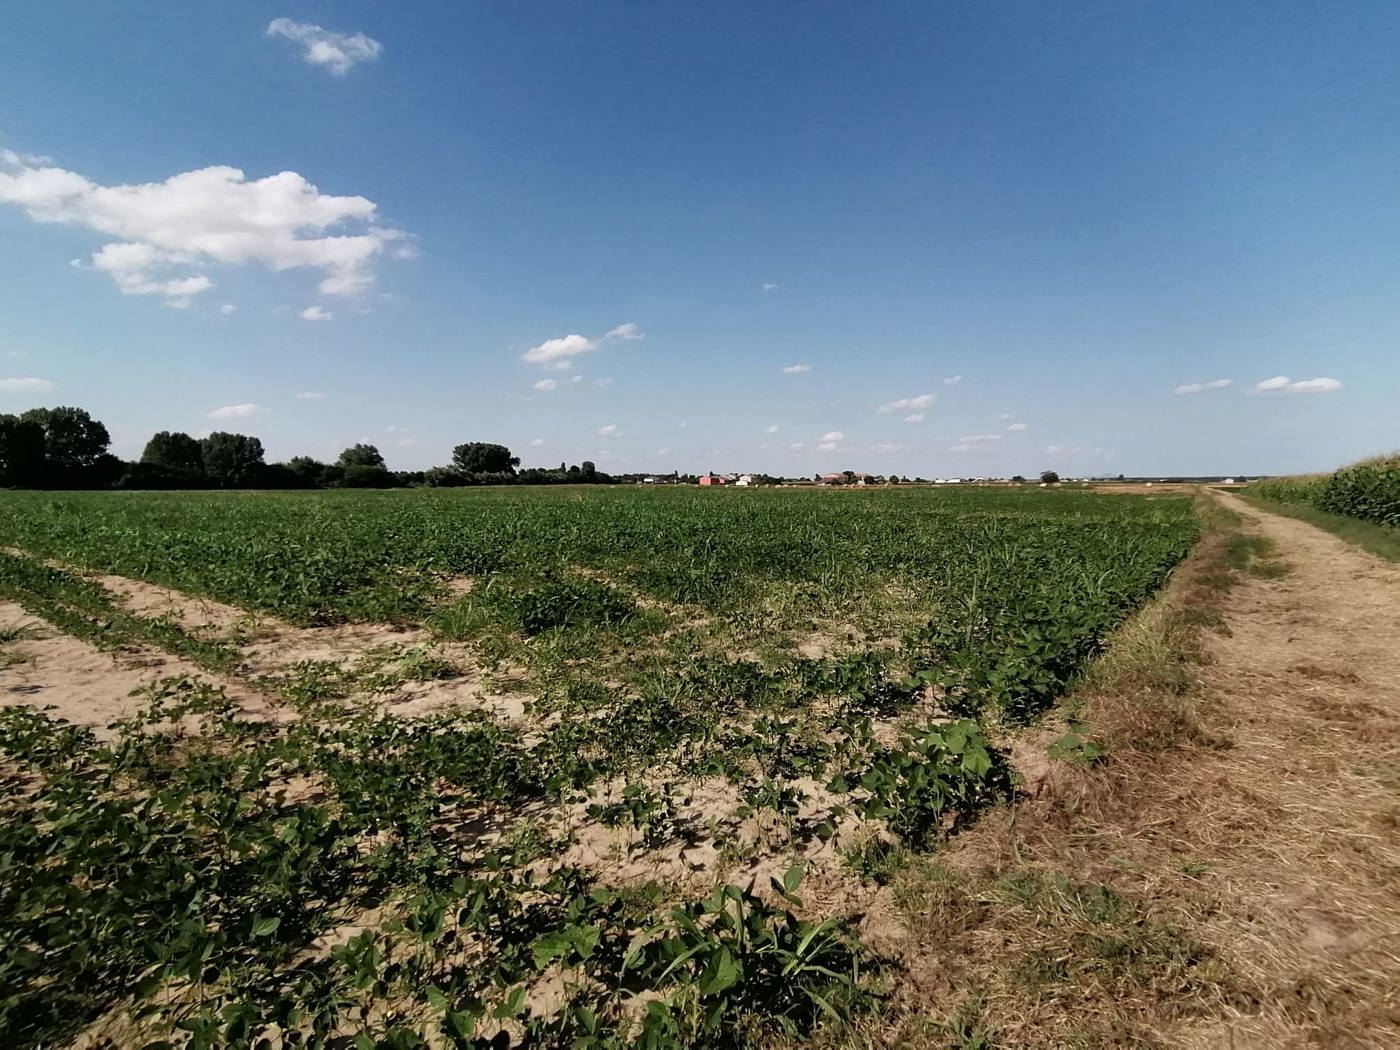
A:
(1369, 490)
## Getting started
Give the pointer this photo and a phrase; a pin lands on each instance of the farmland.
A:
(566, 768)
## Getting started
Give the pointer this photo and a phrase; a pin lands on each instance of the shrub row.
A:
(1369, 490)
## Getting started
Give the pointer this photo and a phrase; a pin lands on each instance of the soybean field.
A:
(561, 767)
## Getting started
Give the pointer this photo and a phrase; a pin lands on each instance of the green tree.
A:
(73, 440)
(309, 473)
(174, 451)
(589, 472)
(361, 455)
(480, 457)
(21, 452)
(232, 460)
(1049, 477)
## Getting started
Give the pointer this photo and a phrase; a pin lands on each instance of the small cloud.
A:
(798, 446)
(537, 442)
(769, 286)
(888, 446)
(826, 446)
(1016, 428)
(552, 351)
(1006, 415)
(959, 448)
(904, 404)
(603, 381)
(609, 431)
(914, 417)
(629, 332)
(311, 395)
(796, 370)
(977, 439)
(771, 429)
(546, 384)
(227, 309)
(337, 53)
(1284, 385)
(316, 313)
(1197, 388)
(27, 385)
(952, 381)
(10, 159)
(242, 411)
(833, 435)
(663, 451)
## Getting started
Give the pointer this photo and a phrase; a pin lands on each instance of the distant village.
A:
(841, 478)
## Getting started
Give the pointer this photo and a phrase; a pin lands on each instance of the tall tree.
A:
(73, 440)
(21, 452)
(174, 451)
(361, 455)
(480, 457)
(232, 460)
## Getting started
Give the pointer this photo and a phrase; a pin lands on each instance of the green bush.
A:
(1369, 490)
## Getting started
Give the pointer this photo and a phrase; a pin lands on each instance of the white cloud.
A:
(237, 411)
(316, 313)
(603, 381)
(977, 439)
(311, 395)
(609, 431)
(10, 159)
(546, 384)
(769, 286)
(905, 404)
(771, 429)
(914, 417)
(952, 381)
(1006, 415)
(1284, 385)
(959, 448)
(227, 309)
(798, 446)
(203, 217)
(336, 52)
(27, 385)
(561, 349)
(629, 332)
(537, 442)
(1197, 388)
(833, 435)
(1016, 428)
(796, 370)
(826, 446)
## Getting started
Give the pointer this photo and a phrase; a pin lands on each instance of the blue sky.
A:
(980, 217)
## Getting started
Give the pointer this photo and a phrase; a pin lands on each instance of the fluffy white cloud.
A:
(1198, 388)
(914, 417)
(537, 442)
(26, 385)
(952, 381)
(311, 395)
(207, 216)
(546, 384)
(796, 370)
(905, 404)
(237, 411)
(336, 52)
(1284, 385)
(833, 435)
(769, 286)
(1016, 428)
(316, 313)
(559, 353)
(610, 431)
(227, 309)
(771, 429)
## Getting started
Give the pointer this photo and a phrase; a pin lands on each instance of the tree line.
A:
(65, 448)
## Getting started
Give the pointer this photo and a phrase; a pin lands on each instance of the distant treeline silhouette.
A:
(65, 448)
